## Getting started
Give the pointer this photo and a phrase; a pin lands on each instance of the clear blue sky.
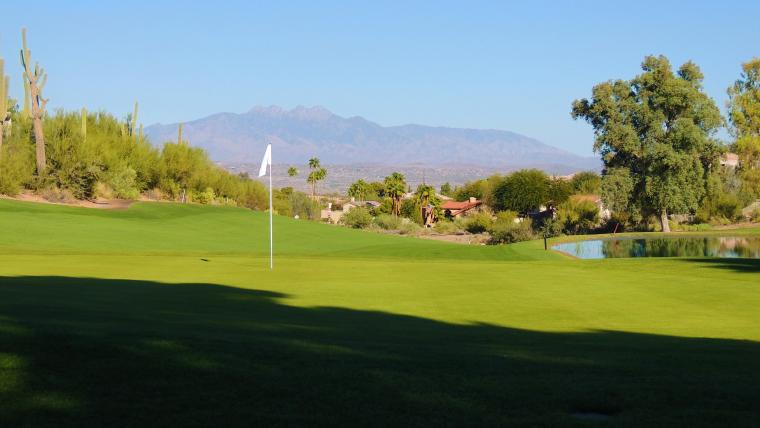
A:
(503, 65)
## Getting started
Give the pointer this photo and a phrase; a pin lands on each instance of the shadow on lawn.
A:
(98, 352)
(742, 265)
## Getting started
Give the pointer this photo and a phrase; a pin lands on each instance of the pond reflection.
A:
(706, 246)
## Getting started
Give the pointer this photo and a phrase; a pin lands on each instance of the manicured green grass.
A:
(166, 315)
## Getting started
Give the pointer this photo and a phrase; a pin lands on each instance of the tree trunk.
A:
(664, 221)
(39, 140)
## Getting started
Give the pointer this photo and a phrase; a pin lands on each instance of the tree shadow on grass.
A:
(741, 265)
(103, 352)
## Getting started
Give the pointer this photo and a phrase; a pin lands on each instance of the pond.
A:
(705, 246)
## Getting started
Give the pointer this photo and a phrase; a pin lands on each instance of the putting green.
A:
(166, 314)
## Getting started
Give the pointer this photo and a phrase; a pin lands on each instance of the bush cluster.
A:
(109, 160)
(357, 218)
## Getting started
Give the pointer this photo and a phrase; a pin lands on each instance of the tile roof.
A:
(464, 205)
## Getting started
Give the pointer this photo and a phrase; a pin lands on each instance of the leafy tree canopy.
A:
(744, 116)
(362, 191)
(586, 183)
(660, 127)
(523, 191)
(395, 187)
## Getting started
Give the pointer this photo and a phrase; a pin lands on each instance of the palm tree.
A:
(360, 190)
(395, 186)
(429, 203)
(292, 171)
(316, 175)
(314, 163)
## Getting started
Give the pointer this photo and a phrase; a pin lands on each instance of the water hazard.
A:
(705, 246)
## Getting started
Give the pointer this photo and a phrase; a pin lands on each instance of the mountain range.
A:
(304, 132)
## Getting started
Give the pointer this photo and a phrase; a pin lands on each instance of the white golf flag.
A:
(267, 161)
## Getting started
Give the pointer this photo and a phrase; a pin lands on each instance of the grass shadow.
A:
(104, 352)
(741, 265)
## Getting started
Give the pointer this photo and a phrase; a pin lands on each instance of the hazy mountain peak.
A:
(304, 132)
(271, 110)
(314, 113)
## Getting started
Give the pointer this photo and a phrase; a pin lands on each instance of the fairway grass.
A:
(167, 315)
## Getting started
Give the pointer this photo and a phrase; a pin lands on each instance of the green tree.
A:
(616, 190)
(660, 126)
(446, 189)
(470, 189)
(395, 187)
(361, 190)
(425, 196)
(183, 165)
(292, 171)
(744, 117)
(482, 189)
(586, 183)
(523, 191)
(378, 187)
(559, 190)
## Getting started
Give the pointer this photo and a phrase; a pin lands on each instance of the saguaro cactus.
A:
(179, 134)
(27, 101)
(4, 83)
(36, 78)
(133, 122)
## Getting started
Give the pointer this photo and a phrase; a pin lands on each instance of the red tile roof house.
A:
(454, 209)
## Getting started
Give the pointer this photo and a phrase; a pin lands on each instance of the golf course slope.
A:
(168, 315)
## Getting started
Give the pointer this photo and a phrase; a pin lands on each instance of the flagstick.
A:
(271, 235)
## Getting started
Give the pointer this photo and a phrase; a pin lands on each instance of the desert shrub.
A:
(411, 209)
(15, 172)
(578, 216)
(357, 218)
(103, 190)
(685, 227)
(551, 228)
(720, 208)
(410, 228)
(154, 194)
(755, 215)
(506, 231)
(388, 222)
(205, 197)
(123, 182)
(728, 206)
(446, 227)
(386, 206)
(303, 206)
(56, 195)
(476, 223)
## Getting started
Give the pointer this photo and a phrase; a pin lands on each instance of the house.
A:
(454, 209)
(334, 216)
(730, 160)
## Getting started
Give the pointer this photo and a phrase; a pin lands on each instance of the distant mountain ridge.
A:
(304, 132)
